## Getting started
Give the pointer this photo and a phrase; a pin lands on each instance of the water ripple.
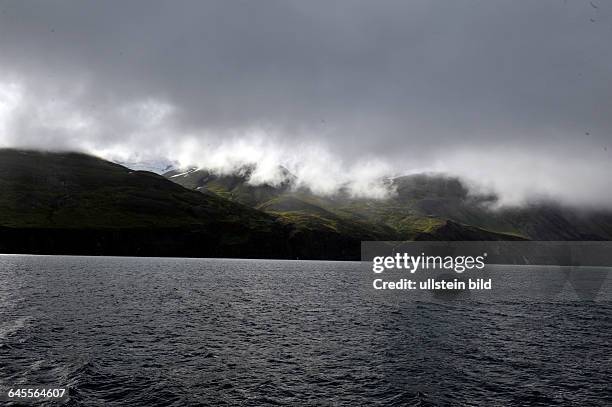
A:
(176, 332)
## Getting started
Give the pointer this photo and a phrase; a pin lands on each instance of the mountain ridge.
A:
(72, 203)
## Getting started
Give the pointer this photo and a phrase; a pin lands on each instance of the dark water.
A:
(225, 332)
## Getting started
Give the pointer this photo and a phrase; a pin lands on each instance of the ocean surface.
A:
(149, 332)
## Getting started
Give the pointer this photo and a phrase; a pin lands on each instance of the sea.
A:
(118, 331)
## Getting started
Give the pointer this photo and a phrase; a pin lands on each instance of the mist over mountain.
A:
(418, 206)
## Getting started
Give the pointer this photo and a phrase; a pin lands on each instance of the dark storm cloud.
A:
(513, 95)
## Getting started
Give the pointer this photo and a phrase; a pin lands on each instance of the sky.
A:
(513, 96)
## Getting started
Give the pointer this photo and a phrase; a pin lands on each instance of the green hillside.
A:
(397, 218)
(67, 190)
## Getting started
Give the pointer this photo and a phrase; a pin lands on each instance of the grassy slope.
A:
(402, 217)
(67, 190)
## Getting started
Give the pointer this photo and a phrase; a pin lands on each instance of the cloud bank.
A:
(512, 96)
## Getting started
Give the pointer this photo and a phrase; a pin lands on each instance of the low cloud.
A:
(512, 97)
